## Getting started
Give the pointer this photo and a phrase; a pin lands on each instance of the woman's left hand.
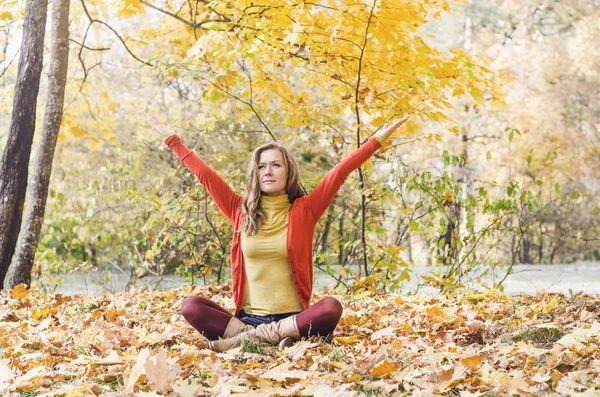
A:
(385, 132)
(159, 127)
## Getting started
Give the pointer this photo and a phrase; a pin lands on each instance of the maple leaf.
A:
(160, 373)
(137, 370)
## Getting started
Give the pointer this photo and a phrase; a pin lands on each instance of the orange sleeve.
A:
(224, 196)
(322, 196)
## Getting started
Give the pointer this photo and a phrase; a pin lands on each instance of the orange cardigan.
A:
(303, 216)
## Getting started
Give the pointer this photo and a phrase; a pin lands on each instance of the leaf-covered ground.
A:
(468, 344)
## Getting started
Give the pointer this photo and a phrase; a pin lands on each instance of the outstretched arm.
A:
(322, 196)
(223, 195)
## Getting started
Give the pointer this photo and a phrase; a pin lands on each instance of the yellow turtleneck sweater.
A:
(269, 288)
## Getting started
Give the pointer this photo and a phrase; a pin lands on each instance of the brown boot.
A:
(286, 342)
(264, 333)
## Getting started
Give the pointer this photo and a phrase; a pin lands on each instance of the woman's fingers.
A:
(397, 124)
(158, 126)
(400, 122)
(152, 119)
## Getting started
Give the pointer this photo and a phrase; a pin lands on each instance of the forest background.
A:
(498, 164)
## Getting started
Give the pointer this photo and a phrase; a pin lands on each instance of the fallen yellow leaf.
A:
(20, 291)
(346, 340)
(473, 363)
(436, 313)
(353, 378)
(383, 368)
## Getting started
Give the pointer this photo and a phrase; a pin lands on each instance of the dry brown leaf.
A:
(389, 331)
(282, 373)
(297, 351)
(322, 389)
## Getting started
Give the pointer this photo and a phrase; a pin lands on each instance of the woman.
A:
(271, 251)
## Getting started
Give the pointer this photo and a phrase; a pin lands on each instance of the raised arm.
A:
(223, 195)
(322, 196)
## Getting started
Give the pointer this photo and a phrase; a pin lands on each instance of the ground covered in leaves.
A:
(467, 344)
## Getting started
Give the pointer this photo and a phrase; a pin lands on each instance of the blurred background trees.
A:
(498, 165)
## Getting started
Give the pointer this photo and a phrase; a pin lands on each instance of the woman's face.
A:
(272, 173)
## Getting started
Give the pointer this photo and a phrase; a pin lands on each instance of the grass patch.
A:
(368, 391)
(540, 335)
(336, 355)
(249, 346)
(114, 385)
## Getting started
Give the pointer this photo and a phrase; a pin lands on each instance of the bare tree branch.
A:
(89, 48)
(93, 20)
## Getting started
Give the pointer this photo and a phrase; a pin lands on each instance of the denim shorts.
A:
(256, 320)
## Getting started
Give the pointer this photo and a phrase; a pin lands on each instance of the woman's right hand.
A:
(158, 126)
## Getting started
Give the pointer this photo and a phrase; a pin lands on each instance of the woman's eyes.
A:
(260, 167)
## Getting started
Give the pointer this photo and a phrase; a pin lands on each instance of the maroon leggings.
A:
(211, 319)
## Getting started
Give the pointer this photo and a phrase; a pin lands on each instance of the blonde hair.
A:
(251, 208)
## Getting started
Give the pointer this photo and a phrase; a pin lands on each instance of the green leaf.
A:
(488, 156)
(404, 276)
(414, 226)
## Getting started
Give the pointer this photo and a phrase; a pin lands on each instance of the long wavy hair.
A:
(252, 211)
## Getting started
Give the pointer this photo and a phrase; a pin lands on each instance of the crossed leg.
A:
(320, 319)
(206, 316)
(211, 320)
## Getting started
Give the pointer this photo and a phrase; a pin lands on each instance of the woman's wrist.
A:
(379, 137)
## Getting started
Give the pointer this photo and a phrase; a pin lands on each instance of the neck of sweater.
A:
(275, 203)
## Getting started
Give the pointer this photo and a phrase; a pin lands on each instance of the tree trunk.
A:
(327, 226)
(36, 200)
(15, 160)
(526, 249)
(341, 240)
